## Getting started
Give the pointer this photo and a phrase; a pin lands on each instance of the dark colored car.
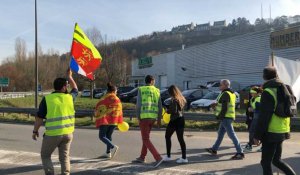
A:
(190, 96)
(98, 91)
(122, 90)
(128, 96)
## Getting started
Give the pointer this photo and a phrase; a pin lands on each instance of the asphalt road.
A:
(19, 154)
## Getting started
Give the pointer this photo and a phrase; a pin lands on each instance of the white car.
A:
(86, 93)
(207, 100)
(101, 94)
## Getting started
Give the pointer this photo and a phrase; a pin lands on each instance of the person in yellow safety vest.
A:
(149, 110)
(57, 109)
(255, 108)
(225, 111)
(273, 129)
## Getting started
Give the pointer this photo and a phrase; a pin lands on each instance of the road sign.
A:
(4, 81)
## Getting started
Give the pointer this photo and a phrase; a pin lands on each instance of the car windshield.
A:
(163, 91)
(211, 96)
(186, 93)
(133, 90)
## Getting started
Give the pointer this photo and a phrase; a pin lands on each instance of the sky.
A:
(119, 19)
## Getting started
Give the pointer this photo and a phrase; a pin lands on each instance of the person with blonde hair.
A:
(176, 123)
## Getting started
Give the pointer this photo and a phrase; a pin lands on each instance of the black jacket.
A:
(267, 106)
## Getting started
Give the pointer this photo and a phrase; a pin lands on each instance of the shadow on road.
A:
(21, 169)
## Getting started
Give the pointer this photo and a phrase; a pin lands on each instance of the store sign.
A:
(145, 62)
(285, 38)
(4, 81)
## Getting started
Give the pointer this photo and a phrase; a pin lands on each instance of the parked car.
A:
(101, 94)
(207, 100)
(124, 89)
(98, 91)
(190, 96)
(128, 96)
(86, 93)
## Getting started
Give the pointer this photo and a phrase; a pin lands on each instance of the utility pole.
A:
(36, 59)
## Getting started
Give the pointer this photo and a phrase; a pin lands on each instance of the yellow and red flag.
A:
(85, 58)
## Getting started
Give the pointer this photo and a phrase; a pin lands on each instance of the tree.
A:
(20, 49)
(280, 22)
(95, 36)
(261, 24)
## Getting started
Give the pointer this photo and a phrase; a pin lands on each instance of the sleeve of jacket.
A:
(224, 100)
(159, 109)
(138, 104)
(266, 111)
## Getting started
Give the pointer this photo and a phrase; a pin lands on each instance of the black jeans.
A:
(271, 153)
(178, 126)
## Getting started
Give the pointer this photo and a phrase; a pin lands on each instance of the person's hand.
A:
(69, 72)
(256, 142)
(35, 136)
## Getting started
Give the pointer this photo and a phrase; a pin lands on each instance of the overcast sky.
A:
(119, 19)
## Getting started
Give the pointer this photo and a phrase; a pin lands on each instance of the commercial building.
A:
(240, 59)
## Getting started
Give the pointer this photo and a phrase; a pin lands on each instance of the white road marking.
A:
(22, 158)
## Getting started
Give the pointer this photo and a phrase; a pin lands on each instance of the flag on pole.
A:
(289, 72)
(85, 58)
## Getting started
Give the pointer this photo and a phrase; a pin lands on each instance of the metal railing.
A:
(132, 113)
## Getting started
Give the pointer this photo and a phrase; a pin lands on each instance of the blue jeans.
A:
(226, 126)
(105, 132)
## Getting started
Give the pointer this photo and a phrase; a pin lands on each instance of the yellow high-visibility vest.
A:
(277, 124)
(254, 101)
(60, 114)
(230, 106)
(149, 104)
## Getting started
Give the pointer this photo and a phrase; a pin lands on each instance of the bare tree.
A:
(20, 49)
(95, 36)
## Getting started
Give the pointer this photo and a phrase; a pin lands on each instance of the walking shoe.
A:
(238, 156)
(158, 163)
(211, 151)
(114, 151)
(166, 158)
(106, 155)
(182, 160)
(139, 160)
(248, 148)
(259, 150)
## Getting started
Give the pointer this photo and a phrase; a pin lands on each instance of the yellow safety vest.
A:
(254, 101)
(230, 106)
(277, 124)
(149, 105)
(60, 114)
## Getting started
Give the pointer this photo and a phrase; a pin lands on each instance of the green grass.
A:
(80, 103)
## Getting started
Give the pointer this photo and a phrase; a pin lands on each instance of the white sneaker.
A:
(114, 151)
(181, 160)
(166, 158)
(106, 155)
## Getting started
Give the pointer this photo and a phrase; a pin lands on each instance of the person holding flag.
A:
(108, 115)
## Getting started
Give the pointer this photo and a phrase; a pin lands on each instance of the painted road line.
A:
(22, 158)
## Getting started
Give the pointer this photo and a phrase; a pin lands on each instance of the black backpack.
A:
(286, 102)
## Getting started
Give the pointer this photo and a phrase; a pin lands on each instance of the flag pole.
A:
(36, 59)
(272, 58)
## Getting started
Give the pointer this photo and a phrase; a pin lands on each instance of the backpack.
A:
(286, 102)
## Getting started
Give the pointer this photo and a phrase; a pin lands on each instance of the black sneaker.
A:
(211, 151)
(238, 156)
(139, 160)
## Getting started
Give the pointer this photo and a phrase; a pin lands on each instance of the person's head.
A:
(255, 91)
(176, 94)
(269, 73)
(149, 80)
(111, 88)
(224, 84)
(60, 85)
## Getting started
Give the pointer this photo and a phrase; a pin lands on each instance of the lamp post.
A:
(36, 59)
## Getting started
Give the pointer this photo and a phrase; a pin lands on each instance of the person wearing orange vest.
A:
(57, 109)
(273, 130)
(225, 111)
(108, 114)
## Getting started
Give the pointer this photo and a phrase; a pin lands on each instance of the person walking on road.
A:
(273, 129)
(225, 111)
(57, 109)
(254, 107)
(176, 123)
(108, 114)
(149, 110)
